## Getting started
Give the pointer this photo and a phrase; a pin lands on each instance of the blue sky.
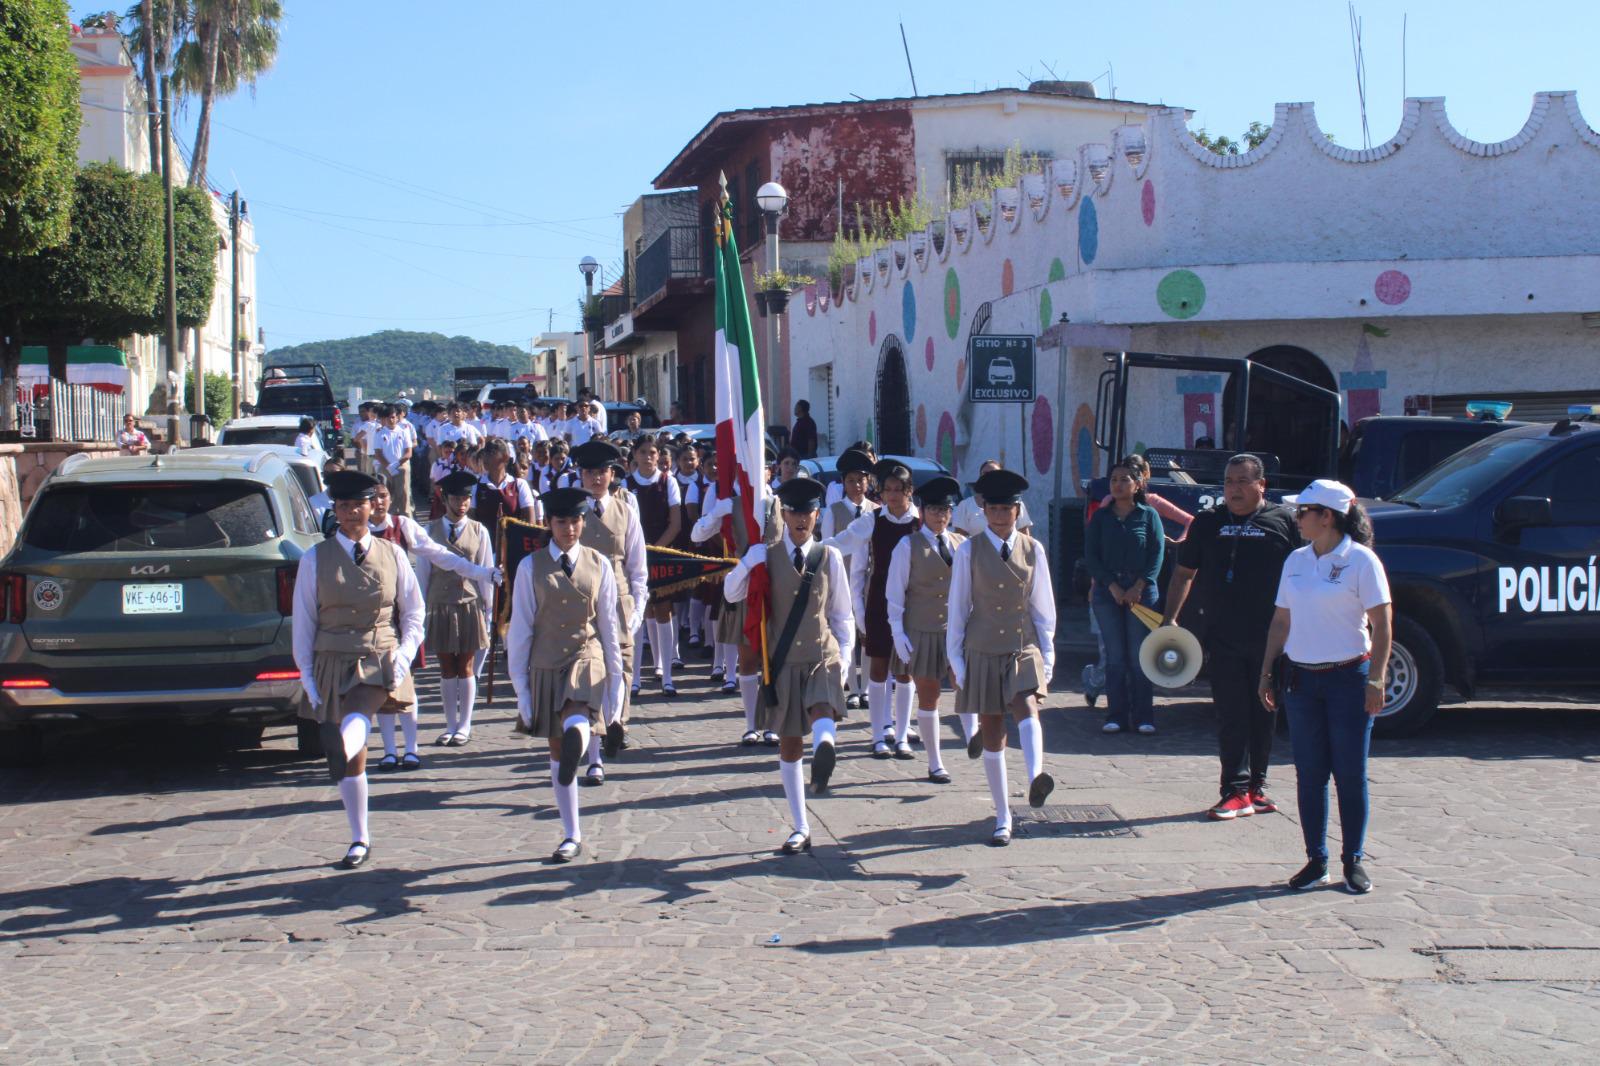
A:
(443, 167)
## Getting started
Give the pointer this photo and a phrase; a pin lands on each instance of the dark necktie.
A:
(858, 510)
(799, 561)
(944, 549)
(455, 531)
(599, 507)
(1005, 551)
(566, 564)
(360, 554)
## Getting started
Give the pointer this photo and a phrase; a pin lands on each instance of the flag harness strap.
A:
(791, 625)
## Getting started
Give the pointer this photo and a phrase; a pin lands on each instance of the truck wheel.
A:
(21, 747)
(307, 740)
(1415, 678)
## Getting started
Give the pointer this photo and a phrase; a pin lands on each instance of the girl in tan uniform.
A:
(563, 649)
(1001, 640)
(356, 628)
(457, 607)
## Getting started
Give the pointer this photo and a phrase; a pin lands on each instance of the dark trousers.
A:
(1130, 697)
(1244, 726)
(1330, 731)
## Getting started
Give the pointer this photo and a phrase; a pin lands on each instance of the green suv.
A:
(154, 587)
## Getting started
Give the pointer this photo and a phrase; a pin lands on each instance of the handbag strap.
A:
(791, 624)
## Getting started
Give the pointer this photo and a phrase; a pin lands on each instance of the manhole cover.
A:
(1069, 820)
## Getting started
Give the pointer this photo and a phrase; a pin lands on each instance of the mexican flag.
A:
(101, 365)
(741, 441)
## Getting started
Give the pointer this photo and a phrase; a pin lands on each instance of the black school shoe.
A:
(1355, 878)
(613, 740)
(1040, 788)
(358, 854)
(1311, 875)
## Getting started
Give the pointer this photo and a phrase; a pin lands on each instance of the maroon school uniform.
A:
(885, 535)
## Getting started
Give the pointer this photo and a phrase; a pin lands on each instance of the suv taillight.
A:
(14, 598)
(286, 575)
(338, 419)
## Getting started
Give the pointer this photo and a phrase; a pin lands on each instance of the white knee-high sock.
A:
(697, 619)
(595, 756)
(928, 722)
(823, 731)
(794, 790)
(730, 660)
(969, 726)
(386, 727)
(680, 614)
(902, 711)
(447, 697)
(1032, 738)
(466, 696)
(478, 660)
(877, 707)
(667, 642)
(994, 768)
(567, 804)
(749, 691)
(354, 729)
(408, 728)
(353, 792)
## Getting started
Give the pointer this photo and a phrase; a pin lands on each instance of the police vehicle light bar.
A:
(1583, 410)
(1489, 410)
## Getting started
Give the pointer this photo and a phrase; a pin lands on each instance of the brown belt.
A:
(1321, 668)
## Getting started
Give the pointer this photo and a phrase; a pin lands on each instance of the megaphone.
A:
(1170, 656)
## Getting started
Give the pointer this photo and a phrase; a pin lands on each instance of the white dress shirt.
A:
(519, 635)
(423, 547)
(408, 609)
(483, 558)
(825, 523)
(836, 609)
(855, 540)
(674, 494)
(393, 444)
(899, 578)
(1041, 604)
(526, 497)
(633, 562)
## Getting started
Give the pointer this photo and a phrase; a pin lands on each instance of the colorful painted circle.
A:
(927, 354)
(952, 303)
(1082, 446)
(1044, 435)
(1046, 311)
(1181, 294)
(1058, 270)
(961, 373)
(922, 426)
(1088, 232)
(1147, 203)
(945, 442)
(908, 310)
(872, 327)
(1008, 278)
(1392, 288)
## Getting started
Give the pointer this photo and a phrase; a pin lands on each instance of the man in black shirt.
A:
(1234, 554)
(803, 437)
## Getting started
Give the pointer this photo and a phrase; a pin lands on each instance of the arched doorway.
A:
(1281, 421)
(892, 414)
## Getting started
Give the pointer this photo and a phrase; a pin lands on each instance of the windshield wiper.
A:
(1402, 499)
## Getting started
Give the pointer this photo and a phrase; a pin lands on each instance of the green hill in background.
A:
(384, 363)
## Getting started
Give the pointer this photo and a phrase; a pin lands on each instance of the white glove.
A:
(312, 696)
(960, 675)
(1049, 672)
(493, 573)
(755, 555)
(722, 508)
(525, 710)
(902, 648)
(401, 669)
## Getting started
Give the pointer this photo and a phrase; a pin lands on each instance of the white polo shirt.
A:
(1328, 599)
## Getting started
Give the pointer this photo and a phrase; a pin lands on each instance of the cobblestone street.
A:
(166, 899)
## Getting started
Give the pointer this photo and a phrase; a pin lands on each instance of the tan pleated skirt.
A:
(356, 684)
(993, 681)
(457, 628)
(801, 687)
(730, 623)
(928, 656)
(549, 691)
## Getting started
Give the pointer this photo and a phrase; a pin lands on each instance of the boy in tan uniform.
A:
(354, 659)
(808, 584)
(563, 649)
(1001, 640)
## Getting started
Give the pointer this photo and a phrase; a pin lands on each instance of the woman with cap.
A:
(563, 649)
(660, 506)
(855, 475)
(1123, 549)
(918, 592)
(457, 608)
(870, 540)
(1001, 640)
(807, 583)
(357, 623)
(1333, 623)
(406, 534)
(612, 528)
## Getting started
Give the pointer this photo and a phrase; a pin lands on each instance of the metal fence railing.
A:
(65, 412)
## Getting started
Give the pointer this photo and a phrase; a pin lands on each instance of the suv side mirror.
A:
(1519, 512)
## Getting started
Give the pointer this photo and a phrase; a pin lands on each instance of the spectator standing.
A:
(1123, 549)
(1333, 623)
(1234, 554)
(970, 518)
(130, 438)
(803, 437)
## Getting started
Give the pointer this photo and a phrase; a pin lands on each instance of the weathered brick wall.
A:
(23, 468)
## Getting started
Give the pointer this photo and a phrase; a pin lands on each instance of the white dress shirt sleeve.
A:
(841, 622)
(955, 636)
(605, 624)
(1042, 605)
(736, 585)
(484, 557)
(304, 624)
(524, 494)
(633, 564)
(825, 523)
(519, 635)
(860, 565)
(854, 538)
(674, 491)
(709, 524)
(895, 590)
(408, 605)
(425, 547)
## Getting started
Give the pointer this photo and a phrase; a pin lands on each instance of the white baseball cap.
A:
(1334, 495)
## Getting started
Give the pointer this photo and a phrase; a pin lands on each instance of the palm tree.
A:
(233, 43)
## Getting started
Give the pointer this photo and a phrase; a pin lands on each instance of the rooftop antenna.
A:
(1051, 70)
(1110, 77)
(1361, 73)
(907, 48)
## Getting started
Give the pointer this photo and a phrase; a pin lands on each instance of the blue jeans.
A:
(1130, 698)
(1330, 731)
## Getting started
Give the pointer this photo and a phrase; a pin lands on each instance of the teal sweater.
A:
(1118, 547)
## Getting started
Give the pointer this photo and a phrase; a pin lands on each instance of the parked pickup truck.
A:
(302, 389)
(1385, 452)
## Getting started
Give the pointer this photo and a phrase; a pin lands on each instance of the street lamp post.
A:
(772, 198)
(588, 266)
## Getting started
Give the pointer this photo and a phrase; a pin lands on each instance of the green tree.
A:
(1225, 145)
(39, 120)
(219, 395)
(196, 238)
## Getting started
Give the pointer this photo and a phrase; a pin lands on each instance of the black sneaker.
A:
(1356, 879)
(1314, 873)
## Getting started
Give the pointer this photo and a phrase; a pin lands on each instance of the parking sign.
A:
(1000, 369)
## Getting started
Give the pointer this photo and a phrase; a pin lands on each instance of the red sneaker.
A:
(1237, 805)
(1261, 802)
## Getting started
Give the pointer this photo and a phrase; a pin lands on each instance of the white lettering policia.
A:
(1549, 589)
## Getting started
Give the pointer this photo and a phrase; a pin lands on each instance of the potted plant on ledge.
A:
(774, 288)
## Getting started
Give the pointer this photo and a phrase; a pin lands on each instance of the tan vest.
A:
(608, 535)
(446, 587)
(928, 587)
(844, 512)
(564, 629)
(813, 641)
(771, 527)
(1001, 622)
(356, 605)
